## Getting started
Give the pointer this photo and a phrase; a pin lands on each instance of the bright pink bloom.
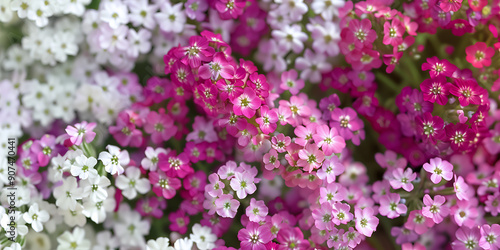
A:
(330, 169)
(435, 90)
(439, 67)
(44, 149)
(197, 52)
(160, 126)
(280, 142)
(254, 236)
(230, 9)
(332, 193)
(81, 131)
(305, 134)
(461, 188)
(459, 135)
(268, 120)
(227, 206)
(435, 209)
(465, 212)
(492, 204)
(175, 165)
(257, 211)
(440, 169)
(310, 158)
(323, 217)
(390, 206)
(467, 91)
(430, 127)
(361, 32)
(393, 32)
(164, 186)
(292, 239)
(450, 5)
(125, 131)
(479, 55)
(247, 103)
(328, 140)
(366, 222)
(346, 122)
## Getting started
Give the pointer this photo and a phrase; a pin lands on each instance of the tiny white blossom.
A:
(84, 167)
(114, 160)
(67, 194)
(74, 240)
(36, 217)
(203, 237)
(132, 183)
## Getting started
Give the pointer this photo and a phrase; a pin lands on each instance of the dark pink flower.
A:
(439, 67)
(467, 91)
(254, 236)
(247, 103)
(479, 54)
(435, 90)
(178, 221)
(164, 186)
(450, 5)
(160, 126)
(230, 8)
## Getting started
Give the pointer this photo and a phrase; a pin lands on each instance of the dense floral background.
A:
(253, 125)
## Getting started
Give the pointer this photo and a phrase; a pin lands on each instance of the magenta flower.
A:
(461, 188)
(292, 238)
(310, 157)
(305, 134)
(450, 5)
(361, 32)
(459, 135)
(435, 209)
(390, 206)
(160, 126)
(467, 91)
(280, 142)
(328, 140)
(439, 67)
(366, 222)
(435, 90)
(164, 186)
(346, 122)
(230, 9)
(268, 120)
(81, 131)
(393, 32)
(178, 221)
(44, 149)
(226, 206)
(440, 169)
(254, 236)
(430, 127)
(197, 52)
(492, 204)
(247, 103)
(257, 211)
(125, 131)
(175, 165)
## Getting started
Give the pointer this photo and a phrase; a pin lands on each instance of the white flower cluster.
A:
(40, 11)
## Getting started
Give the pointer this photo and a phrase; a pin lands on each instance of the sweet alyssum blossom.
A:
(114, 160)
(131, 183)
(36, 217)
(440, 169)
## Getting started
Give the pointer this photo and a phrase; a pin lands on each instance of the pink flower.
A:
(492, 204)
(271, 160)
(125, 131)
(467, 91)
(341, 214)
(361, 32)
(479, 55)
(247, 103)
(230, 8)
(178, 221)
(323, 217)
(268, 120)
(243, 184)
(366, 222)
(439, 67)
(80, 131)
(430, 127)
(330, 169)
(175, 165)
(291, 238)
(346, 122)
(197, 52)
(305, 134)
(44, 149)
(461, 188)
(332, 193)
(450, 5)
(160, 126)
(310, 157)
(227, 206)
(257, 211)
(439, 169)
(289, 82)
(402, 179)
(328, 140)
(467, 238)
(393, 32)
(280, 142)
(459, 136)
(390, 160)
(164, 186)
(417, 222)
(254, 236)
(435, 209)
(203, 130)
(390, 206)
(465, 212)
(490, 236)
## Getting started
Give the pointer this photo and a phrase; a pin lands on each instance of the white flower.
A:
(14, 246)
(114, 160)
(327, 8)
(74, 217)
(325, 38)
(203, 237)
(132, 183)
(6, 12)
(96, 211)
(84, 167)
(94, 188)
(159, 244)
(20, 227)
(183, 243)
(139, 42)
(64, 44)
(21, 7)
(114, 13)
(295, 9)
(75, 240)
(39, 241)
(271, 56)
(132, 227)
(151, 161)
(141, 13)
(17, 58)
(35, 217)
(171, 18)
(290, 38)
(67, 194)
(39, 13)
(278, 18)
(105, 240)
(312, 65)
(75, 7)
